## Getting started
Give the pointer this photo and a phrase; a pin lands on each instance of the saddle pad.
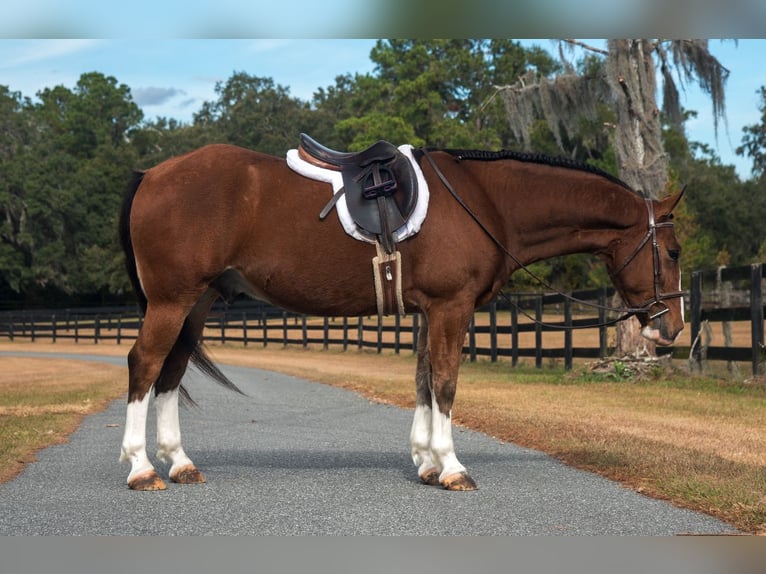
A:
(335, 178)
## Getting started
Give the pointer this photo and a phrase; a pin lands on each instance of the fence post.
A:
(515, 333)
(265, 325)
(493, 332)
(602, 329)
(568, 353)
(345, 333)
(380, 334)
(397, 328)
(695, 303)
(756, 315)
(244, 328)
(304, 332)
(360, 333)
(53, 328)
(76, 328)
(472, 339)
(97, 329)
(284, 328)
(415, 332)
(538, 331)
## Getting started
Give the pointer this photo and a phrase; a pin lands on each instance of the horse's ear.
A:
(669, 203)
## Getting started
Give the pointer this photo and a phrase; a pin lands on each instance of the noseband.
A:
(659, 296)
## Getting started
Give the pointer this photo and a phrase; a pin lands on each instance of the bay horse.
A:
(223, 220)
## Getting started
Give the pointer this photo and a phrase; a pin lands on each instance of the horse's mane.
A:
(481, 155)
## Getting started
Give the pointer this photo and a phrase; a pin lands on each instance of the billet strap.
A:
(330, 204)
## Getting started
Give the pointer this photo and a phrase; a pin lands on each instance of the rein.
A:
(627, 312)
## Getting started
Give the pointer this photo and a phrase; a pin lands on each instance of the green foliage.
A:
(754, 140)
(65, 157)
(63, 184)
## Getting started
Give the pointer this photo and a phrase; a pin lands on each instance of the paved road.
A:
(295, 457)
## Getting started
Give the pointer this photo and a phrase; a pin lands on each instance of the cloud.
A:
(42, 50)
(153, 96)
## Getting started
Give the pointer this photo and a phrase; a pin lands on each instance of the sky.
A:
(173, 77)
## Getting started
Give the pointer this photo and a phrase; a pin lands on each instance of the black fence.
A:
(511, 327)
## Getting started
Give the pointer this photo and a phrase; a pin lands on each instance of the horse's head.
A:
(646, 271)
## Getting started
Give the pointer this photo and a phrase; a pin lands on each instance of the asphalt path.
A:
(295, 457)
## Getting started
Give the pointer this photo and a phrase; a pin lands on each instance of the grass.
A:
(699, 443)
(43, 400)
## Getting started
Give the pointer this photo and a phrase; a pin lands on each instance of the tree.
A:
(624, 78)
(754, 140)
(440, 88)
(628, 85)
(16, 134)
(254, 112)
(63, 187)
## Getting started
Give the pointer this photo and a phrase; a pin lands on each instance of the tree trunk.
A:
(641, 158)
(638, 143)
(629, 340)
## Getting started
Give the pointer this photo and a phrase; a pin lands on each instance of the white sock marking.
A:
(134, 439)
(169, 431)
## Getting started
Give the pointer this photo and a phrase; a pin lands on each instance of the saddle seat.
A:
(380, 151)
(379, 183)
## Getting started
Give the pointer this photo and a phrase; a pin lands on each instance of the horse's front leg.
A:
(420, 434)
(446, 334)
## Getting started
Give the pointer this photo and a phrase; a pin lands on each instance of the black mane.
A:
(481, 155)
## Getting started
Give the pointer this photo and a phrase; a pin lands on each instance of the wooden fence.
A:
(509, 328)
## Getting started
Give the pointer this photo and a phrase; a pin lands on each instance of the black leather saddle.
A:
(379, 183)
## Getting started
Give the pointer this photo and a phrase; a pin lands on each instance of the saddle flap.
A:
(398, 203)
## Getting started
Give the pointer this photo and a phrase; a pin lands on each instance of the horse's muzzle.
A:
(660, 335)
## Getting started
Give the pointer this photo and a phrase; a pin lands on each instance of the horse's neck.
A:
(566, 216)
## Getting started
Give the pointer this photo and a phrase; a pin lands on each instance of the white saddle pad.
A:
(336, 180)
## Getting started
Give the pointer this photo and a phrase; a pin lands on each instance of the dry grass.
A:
(699, 443)
(43, 400)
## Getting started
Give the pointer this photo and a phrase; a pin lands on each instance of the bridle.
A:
(659, 296)
(627, 312)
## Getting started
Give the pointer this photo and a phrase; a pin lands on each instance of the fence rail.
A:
(502, 329)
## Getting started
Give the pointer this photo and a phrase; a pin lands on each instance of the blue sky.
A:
(173, 77)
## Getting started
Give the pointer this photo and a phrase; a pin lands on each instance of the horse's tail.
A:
(186, 338)
(127, 242)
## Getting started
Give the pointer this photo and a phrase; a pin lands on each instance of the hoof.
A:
(188, 475)
(459, 481)
(147, 481)
(430, 477)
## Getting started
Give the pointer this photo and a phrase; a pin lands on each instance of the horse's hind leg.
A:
(158, 335)
(167, 388)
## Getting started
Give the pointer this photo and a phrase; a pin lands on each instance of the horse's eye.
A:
(674, 254)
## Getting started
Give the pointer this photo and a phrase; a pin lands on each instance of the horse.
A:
(223, 221)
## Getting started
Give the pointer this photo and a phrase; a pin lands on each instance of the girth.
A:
(379, 184)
